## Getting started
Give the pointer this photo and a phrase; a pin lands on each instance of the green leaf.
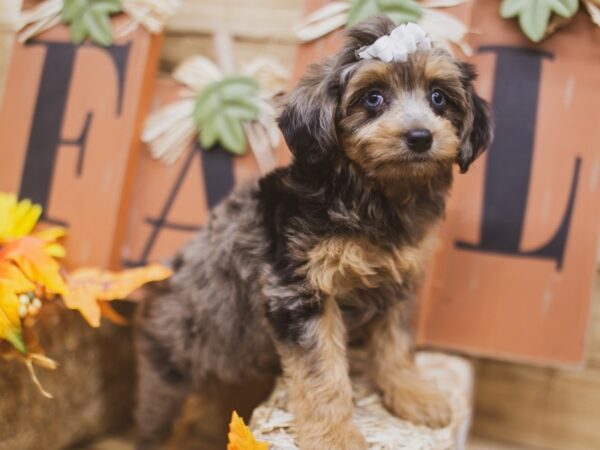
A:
(534, 15)
(78, 31)
(572, 6)
(207, 102)
(71, 9)
(238, 86)
(222, 108)
(244, 109)
(361, 10)
(208, 136)
(16, 339)
(400, 11)
(98, 25)
(231, 134)
(90, 18)
(107, 7)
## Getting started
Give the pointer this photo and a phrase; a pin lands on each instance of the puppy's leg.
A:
(160, 397)
(405, 393)
(320, 390)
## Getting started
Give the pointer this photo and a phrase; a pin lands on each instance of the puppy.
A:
(324, 254)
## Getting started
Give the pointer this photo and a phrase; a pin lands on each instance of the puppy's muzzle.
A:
(419, 139)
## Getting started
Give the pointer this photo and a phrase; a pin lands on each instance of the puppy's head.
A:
(396, 120)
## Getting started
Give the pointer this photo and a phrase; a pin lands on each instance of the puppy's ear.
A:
(309, 115)
(308, 118)
(478, 128)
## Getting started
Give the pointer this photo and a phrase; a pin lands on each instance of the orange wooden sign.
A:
(170, 203)
(513, 275)
(69, 128)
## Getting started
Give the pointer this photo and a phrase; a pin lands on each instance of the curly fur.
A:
(319, 255)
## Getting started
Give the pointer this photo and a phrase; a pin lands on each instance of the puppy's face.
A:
(396, 121)
(403, 120)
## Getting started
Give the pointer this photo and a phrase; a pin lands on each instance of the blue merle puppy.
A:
(324, 254)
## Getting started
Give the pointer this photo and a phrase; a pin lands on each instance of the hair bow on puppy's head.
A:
(396, 46)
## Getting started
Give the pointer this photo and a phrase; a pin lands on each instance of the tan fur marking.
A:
(339, 264)
(320, 390)
(440, 67)
(405, 393)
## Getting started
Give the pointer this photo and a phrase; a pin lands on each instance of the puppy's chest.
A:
(339, 266)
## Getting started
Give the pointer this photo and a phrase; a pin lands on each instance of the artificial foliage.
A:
(230, 110)
(90, 289)
(32, 278)
(534, 15)
(441, 25)
(90, 18)
(400, 11)
(221, 109)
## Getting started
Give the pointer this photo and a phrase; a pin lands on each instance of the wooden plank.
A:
(545, 407)
(271, 20)
(593, 343)
(178, 47)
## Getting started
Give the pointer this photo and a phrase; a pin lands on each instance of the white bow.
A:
(401, 42)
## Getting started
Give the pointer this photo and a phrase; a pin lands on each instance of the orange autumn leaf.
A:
(108, 312)
(88, 287)
(30, 256)
(241, 437)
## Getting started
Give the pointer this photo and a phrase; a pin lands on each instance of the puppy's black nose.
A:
(419, 139)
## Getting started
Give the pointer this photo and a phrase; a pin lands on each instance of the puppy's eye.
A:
(373, 99)
(438, 99)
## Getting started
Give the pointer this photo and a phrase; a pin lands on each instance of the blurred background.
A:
(103, 130)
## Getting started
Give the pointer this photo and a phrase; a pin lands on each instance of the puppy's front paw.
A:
(345, 437)
(418, 402)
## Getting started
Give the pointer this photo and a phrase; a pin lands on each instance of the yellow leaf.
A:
(17, 219)
(10, 323)
(49, 236)
(86, 287)
(241, 437)
(55, 250)
(29, 255)
(9, 273)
